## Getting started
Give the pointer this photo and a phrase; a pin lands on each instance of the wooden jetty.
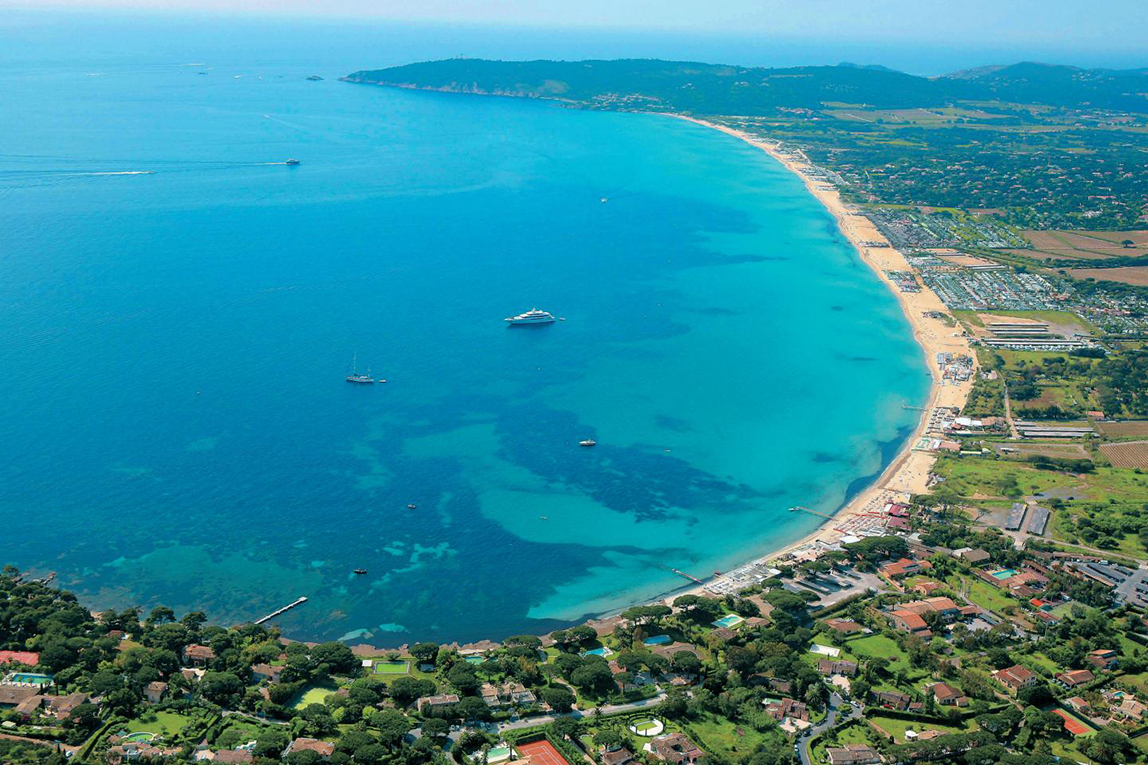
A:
(827, 516)
(282, 610)
(687, 576)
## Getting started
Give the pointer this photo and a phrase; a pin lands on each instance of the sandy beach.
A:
(909, 471)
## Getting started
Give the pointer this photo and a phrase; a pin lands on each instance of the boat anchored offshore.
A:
(291, 161)
(360, 571)
(588, 442)
(355, 376)
(533, 316)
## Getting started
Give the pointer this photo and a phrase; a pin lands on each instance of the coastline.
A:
(908, 472)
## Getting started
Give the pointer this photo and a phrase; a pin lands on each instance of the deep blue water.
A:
(175, 426)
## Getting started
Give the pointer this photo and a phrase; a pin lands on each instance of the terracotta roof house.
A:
(508, 694)
(893, 699)
(843, 626)
(434, 702)
(832, 667)
(1132, 709)
(904, 567)
(322, 748)
(1074, 677)
(779, 710)
(1103, 658)
(926, 587)
(677, 749)
(197, 655)
(1016, 678)
(853, 754)
(621, 756)
(907, 621)
(61, 707)
(31, 658)
(947, 695)
(1077, 704)
(230, 756)
(267, 672)
(154, 691)
(946, 607)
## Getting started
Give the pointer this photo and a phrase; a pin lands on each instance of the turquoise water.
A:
(175, 423)
(730, 620)
(24, 677)
(1007, 573)
(658, 640)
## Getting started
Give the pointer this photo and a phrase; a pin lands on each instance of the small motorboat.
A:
(412, 507)
(588, 442)
(291, 161)
(360, 571)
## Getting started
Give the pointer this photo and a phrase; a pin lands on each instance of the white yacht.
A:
(533, 316)
(359, 377)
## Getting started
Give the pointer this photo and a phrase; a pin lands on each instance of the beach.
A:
(908, 472)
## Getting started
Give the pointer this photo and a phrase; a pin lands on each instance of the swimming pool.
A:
(730, 620)
(603, 651)
(1007, 573)
(139, 737)
(658, 640)
(475, 659)
(28, 678)
(498, 754)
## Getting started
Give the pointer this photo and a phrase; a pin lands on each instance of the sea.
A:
(179, 309)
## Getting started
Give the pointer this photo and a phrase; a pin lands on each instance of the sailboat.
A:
(355, 377)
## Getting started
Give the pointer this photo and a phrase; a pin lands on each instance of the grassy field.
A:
(164, 724)
(897, 727)
(877, 646)
(724, 738)
(391, 667)
(985, 595)
(312, 694)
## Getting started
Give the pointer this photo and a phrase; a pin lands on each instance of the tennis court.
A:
(541, 752)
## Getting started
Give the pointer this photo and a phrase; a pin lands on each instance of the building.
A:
(844, 626)
(946, 607)
(620, 756)
(853, 754)
(899, 569)
(13, 695)
(230, 756)
(779, 710)
(831, 667)
(1132, 709)
(948, 696)
(1074, 678)
(907, 621)
(1077, 704)
(322, 748)
(507, 695)
(893, 699)
(1016, 678)
(154, 691)
(436, 702)
(198, 655)
(927, 587)
(972, 555)
(267, 673)
(677, 749)
(1103, 658)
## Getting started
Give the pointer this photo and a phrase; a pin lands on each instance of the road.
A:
(577, 714)
(807, 735)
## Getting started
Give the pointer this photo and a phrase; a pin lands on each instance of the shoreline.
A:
(907, 473)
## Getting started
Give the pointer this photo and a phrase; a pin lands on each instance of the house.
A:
(233, 756)
(972, 555)
(621, 756)
(1103, 658)
(852, 754)
(831, 667)
(1132, 709)
(1077, 704)
(61, 707)
(322, 748)
(436, 702)
(948, 696)
(779, 710)
(893, 699)
(899, 569)
(192, 675)
(1073, 678)
(13, 695)
(154, 691)
(677, 749)
(198, 655)
(926, 587)
(267, 673)
(135, 752)
(511, 694)
(1016, 678)
(907, 621)
(946, 607)
(843, 626)
(30, 658)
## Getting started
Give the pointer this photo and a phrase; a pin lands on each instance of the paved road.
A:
(577, 714)
(803, 741)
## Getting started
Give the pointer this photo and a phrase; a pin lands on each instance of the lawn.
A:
(397, 667)
(897, 727)
(312, 694)
(986, 596)
(853, 733)
(163, 724)
(877, 646)
(724, 738)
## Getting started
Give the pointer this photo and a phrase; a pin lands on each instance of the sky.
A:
(920, 36)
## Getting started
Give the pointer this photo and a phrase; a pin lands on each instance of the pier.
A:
(797, 508)
(282, 610)
(687, 576)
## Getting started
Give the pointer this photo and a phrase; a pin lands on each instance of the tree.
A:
(1107, 746)
(564, 727)
(463, 678)
(392, 725)
(333, 658)
(559, 699)
(435, 727)
(425, 653)
(222, 688)
(609, 739)
(405, 689)
(593, 676)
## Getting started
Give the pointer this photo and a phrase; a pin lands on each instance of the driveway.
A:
(807, 736)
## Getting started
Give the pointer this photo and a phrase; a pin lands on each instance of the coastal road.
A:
(807, 735)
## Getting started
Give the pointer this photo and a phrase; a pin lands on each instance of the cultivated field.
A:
(1137, 275)
(1126, 429)
(1056, 451)
(1085, 245)
(1127, 454)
